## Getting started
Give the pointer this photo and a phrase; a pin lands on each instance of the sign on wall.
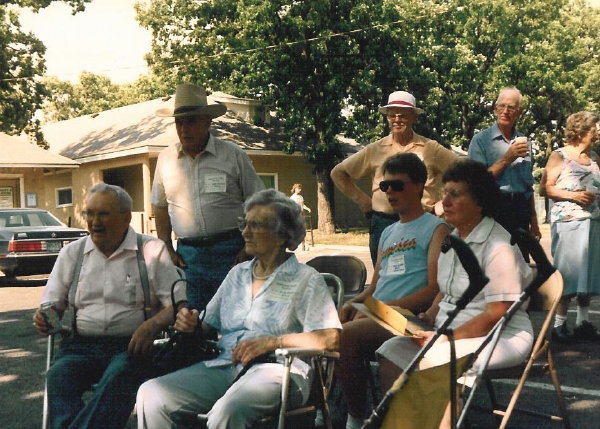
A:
(6, 197)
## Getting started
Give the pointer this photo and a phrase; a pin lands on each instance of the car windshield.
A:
(15, 219)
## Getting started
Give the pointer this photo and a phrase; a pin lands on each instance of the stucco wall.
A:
(295, 169)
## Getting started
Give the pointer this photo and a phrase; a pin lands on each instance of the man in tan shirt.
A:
(401, 112)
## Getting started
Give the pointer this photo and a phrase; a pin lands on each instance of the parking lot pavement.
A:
(578, 366)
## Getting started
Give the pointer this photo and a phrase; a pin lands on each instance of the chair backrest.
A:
(337, 289)
(350, 269)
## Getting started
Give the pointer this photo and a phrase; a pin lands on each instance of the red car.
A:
(30, 240)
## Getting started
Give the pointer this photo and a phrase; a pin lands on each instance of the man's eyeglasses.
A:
(91, 214)
(509, 108)
(396, 185)
(253, 225)
(393, 116)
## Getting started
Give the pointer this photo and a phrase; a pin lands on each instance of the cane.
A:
(477, 280)
(544, 270)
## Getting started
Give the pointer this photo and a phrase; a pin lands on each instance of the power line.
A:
(266, 48)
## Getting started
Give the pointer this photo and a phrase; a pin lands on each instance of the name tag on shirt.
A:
(215, 182)
(281, 292)
(396, 264)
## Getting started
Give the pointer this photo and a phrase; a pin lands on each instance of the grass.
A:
(352, 237)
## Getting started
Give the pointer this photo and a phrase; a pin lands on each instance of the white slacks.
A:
(202, 389)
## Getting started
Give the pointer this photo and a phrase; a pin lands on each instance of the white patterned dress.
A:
(576, 229)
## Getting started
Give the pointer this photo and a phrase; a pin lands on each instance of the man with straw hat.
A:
(401, 111)
(200, 185)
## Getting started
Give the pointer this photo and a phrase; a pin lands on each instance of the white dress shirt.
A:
(109, 297)
(205, 194)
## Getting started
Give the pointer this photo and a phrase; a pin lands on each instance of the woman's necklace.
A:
(256, 276)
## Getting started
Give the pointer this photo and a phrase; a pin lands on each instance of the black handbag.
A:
(178, 349)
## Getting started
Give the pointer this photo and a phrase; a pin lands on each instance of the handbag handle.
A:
(174, 304)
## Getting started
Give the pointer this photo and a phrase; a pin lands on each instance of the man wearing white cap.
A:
(200, 185)
(401, 112)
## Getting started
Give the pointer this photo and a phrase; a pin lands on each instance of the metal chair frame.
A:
(550, 292)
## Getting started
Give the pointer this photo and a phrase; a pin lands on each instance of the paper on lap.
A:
(399, 321)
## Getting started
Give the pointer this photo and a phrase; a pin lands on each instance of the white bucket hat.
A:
(190, 100)
(403, 100)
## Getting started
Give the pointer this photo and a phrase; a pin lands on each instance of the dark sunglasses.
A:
(397, 185)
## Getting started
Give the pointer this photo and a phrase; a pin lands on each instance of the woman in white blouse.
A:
(470, 193)
(270, 302)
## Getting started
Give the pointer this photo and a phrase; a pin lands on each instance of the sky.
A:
(104, 39)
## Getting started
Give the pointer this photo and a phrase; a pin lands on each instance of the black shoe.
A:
(586, 332)
(562, 335)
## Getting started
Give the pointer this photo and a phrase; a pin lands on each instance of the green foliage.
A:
(455, 55)
(21, 65)
(260, 49)
(21, 60)
(96, 93)
(35, 5)
(325, 66)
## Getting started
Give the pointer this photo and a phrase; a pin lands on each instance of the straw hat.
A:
(401, 99)
(190, 100)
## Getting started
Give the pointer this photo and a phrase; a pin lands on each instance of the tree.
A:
(21, 66)
(325, 66)
(95, 93)
(455, 55)
(35, 5)
(21, 58)
(286, 53)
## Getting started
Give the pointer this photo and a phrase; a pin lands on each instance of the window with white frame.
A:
(269, 180)
(64, 197)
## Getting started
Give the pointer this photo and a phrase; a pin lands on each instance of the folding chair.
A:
(322, 362)
(550, 293)
(350, 269)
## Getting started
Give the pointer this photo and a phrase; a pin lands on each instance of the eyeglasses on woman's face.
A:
(254, 226)
(452, 193)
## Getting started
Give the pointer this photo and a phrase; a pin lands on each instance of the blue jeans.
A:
(84, 361)
(207, 266)
(379, 222)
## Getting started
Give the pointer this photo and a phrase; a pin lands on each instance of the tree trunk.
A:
(324, 201)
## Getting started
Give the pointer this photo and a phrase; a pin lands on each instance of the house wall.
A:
(295, 169)
(23, 181)
(54, 180)
(135, 174)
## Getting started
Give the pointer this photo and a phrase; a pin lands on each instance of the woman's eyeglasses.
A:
(396, 185)
(253, 225)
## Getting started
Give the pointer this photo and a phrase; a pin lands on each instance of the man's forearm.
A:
(163, 225)
(160, 320)
(346, 185)
(498, 167)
